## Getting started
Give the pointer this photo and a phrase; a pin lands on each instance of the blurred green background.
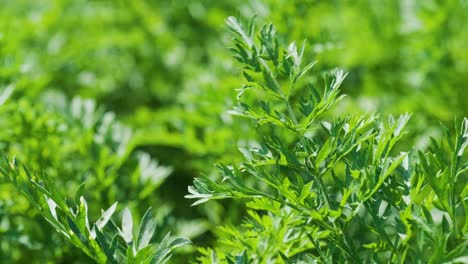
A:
(130, 97)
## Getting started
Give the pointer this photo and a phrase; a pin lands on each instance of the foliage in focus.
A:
(333, 189)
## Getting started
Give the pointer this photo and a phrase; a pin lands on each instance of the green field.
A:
(257, 131)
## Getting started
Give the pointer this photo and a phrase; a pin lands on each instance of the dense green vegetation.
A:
(153, 131)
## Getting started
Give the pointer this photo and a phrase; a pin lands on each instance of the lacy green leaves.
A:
(103, 241)
(78, 144)
(330, 189)
(277, 71)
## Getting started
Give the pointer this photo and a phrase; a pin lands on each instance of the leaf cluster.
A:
(103, 241)
(339, 191)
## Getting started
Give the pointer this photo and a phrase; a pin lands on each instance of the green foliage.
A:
(75, 144)
(102, 241)
(93, 92)
(321, 184)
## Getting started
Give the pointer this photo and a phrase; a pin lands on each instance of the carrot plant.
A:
(104, 241)
(325, 189)
(66, 146)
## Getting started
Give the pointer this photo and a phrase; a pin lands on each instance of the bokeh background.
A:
(130, 97)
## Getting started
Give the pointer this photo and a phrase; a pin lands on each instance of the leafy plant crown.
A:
(316, 185)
